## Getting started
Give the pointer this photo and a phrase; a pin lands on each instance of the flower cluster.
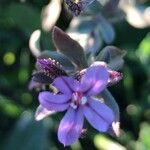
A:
(77, 96)
(76, 6)
(74, 80)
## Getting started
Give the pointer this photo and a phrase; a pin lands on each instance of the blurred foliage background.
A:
(19, 131)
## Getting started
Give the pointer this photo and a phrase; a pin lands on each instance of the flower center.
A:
(78, 99)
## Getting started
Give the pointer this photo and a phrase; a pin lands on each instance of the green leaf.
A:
(144, 50)
(144, 136)
(9, 107)
(24, 17)
(104, 143)
(27, 134)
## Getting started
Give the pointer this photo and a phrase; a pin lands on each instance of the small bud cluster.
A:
(74, 6)
(50, 68)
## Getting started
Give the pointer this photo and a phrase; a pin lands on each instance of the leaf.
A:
(85, 31)
(69, 48)
(93, 9)
(34, 43)
(41, 77)
(105, 143)
(82, 24)
(144, 136)
(111, 5)
(106, 29)
(9, 107)
(27, 134)
(143, 50)
(22, 16)
(50, 14)
(113, 56)
(94, 42)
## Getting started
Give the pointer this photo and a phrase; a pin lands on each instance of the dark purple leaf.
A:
(69, 48)
(41, 77)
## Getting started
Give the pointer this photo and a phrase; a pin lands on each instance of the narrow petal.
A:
(94, 80)
(102, 109)
(70, 126)
(53, 102)
(98, 115)
(42, 112)
(54, 98)
(116, 128)
(73, 84)
(62, 86)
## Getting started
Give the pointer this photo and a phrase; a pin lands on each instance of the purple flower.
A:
(46, 71)
(76, 6)
(79, 99)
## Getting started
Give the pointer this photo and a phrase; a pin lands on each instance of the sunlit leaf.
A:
(34, 43)
(103, 142)
(49, 18)
(136, 16)
(144, 136)
(143, 51)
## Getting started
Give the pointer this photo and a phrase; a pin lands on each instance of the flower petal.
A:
(94, 80)
(114, 77)
(102, 109)
(70, 126)
(73, 84)
(116, 128)
(98, 114)
(42, 112)
(62, 86)
(53, 102)
(54, 98)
